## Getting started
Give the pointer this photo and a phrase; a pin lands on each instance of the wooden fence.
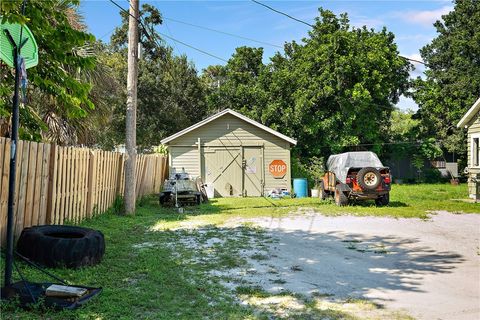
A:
(57, 184)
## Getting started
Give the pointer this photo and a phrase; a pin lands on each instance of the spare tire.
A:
(62, 246)
(369, 178)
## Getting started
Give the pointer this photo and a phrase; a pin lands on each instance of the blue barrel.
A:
(300, 187)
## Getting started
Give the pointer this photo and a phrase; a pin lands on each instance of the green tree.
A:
(238, 85)
(452, 82)
(57, 85)
(336, 88)
(171, 96)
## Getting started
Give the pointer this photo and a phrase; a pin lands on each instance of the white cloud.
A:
(361, 21)
(426, 17)
(419, 67)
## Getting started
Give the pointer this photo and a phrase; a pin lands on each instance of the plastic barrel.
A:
(300, 187)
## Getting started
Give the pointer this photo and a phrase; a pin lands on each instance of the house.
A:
(471, 121)
(234, 155)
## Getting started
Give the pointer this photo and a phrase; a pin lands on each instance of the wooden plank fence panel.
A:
(21, 187)
(74, 182)
(57, 184)
(4, 192)
(91, 189)
(44, 193)
(84, 182)
(37, 190)
(32, 166)
(62, 214)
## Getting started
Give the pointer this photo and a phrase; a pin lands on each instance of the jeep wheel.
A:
(369, 178)
(322, 194)
(340, 198)
(383, 200)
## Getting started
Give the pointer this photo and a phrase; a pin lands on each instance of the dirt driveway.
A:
(430, 269)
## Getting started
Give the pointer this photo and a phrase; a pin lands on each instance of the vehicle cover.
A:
(341, 163)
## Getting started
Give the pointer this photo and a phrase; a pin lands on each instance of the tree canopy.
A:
(171, 95)
(336, 88)
(452, 81)
(56, 85)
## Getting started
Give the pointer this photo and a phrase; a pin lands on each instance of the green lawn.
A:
(150, 270)
(406, 201)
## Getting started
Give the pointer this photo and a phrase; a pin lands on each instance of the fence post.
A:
(91, 184)
(52, 185)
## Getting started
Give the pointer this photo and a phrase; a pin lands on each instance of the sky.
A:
(410, 21)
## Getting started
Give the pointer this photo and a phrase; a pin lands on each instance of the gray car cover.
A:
(341, 163)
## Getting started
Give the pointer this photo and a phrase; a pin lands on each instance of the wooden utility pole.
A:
(131, 115)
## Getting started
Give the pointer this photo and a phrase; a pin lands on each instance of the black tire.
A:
(341, 198)
(62, 246)
(321, 191)
(198, 199)
(369, 178)
(164, 198)
(383, 200)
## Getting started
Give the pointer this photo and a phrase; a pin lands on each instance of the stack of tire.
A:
(62, 246)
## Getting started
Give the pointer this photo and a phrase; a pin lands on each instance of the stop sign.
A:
(278, 168)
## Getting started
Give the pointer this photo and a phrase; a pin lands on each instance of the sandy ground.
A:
(430, 269)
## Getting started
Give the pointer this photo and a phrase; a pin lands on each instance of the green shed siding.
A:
(229, 131)
(473, 172)
(184, 158)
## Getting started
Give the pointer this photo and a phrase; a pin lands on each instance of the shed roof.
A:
(233, 113)
(475, 109)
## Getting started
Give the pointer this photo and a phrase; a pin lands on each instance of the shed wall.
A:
(230, 131)
(473, 172)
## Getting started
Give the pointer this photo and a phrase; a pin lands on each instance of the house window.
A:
(475, 151)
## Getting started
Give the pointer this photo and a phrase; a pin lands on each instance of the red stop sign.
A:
(278, 168)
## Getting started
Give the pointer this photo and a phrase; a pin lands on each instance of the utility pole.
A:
(131, 114)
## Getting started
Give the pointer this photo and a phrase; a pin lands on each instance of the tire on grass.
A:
(62, 246)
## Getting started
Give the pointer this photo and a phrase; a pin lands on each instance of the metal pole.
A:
(13, 155)
(13, 169)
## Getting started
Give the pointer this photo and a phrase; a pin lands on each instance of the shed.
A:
(233, 153)
(471, 121)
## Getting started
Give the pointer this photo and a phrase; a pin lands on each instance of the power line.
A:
(223, 32)
(310, 25)
(282, 13)
(166, 36)
(171, 34)
(192, 47)
(106, 34)
(138, 19)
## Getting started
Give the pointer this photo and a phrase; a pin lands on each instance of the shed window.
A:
(475, 152)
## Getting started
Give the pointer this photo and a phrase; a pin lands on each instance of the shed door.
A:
(253, 173)
(223, 169)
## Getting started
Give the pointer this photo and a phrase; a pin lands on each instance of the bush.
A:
(433, 175)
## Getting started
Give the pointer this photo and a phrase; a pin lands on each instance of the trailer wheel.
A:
(198, 199)
(62, 246)
(341, 198)
(321, 192)
(164, 198)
